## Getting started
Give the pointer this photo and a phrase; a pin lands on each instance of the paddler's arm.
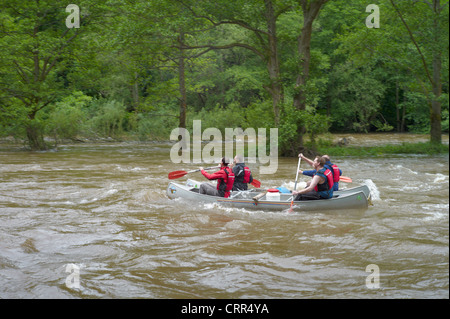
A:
(311, 186)
(308, 172)
(216, 175)
(310, 162)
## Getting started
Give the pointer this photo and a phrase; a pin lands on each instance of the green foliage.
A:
(118, 75)
(221, 118)
(259, 114)
(445, 124)
(417, 106)
(314, 124)
(356, 95)
(108, 118)
(67, 118)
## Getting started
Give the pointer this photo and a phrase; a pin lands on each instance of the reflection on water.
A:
(103, 208)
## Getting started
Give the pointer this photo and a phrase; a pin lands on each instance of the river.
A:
(93, 221)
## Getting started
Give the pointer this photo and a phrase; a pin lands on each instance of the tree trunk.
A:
(435, 109)
(273, 64)
(434, 77)
(311, 10)
(304, 51)
(182, 84)
(403, 118)
(34, 134)
(397, 109)
(135, 92)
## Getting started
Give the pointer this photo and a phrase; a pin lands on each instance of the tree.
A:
(35, 45)
(412, 39)
(310, 10)
(437, 28)
(260, 19)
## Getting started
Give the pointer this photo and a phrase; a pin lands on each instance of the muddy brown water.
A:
(102, 209)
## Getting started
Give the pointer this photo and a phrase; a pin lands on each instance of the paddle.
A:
(345, 179)
(295, 186)
(296, 176)
(256, 183)
(178, 174)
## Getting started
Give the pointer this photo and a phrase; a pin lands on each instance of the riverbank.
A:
(378, 144)
(404, 148)
(370, 144)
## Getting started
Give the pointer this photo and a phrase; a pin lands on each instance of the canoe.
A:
(362, 188)
(352, 198)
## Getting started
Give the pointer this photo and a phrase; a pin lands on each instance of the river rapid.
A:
(94, 221)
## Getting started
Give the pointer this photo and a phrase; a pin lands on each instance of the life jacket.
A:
(224, 186)
(336, 173)
(325, 190)
(242, 177)
(335, 170)
(247, 175)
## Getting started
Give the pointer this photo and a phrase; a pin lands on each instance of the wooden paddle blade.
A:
(259, 196)
(345, 179)
(177, 174)
(256, 183)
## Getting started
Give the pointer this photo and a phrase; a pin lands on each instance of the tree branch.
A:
(227, 46)
(55, 58)
(258, 32)
(414, 42)
(22, 74)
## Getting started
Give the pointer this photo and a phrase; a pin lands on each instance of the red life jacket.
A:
(226, 185)
(336, 173)
(328, 175)
(247, 174)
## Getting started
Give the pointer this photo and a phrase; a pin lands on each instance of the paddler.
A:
(321, 186)
(224, 177)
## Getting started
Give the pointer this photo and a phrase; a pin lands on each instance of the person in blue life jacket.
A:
(242, 174)
(321, 185)
(337, 172)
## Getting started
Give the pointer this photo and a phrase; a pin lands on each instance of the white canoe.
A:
(352, 198)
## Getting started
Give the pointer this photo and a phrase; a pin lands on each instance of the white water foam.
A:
(374, 192)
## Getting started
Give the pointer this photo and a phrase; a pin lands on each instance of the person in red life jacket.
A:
(337, 172)
(242, 174)
(224, 177)
(321, 186)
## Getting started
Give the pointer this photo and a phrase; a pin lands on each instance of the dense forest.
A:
(140, 68)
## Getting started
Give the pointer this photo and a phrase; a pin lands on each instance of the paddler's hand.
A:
(201, 168)
(300, 171)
